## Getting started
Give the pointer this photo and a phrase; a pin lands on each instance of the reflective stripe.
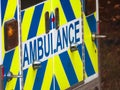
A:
(8, 9)
(77, 64)
(7, 64)
(9, 12)
(25, 75)
(17, 87)
(15, 66)
(88, 65)
(47, 81)
(25, 18)
(92, 23)
(35, 21)
(62, 14)
(60, 74)
(22, 15)
(76, 6)
(41, 27)
(67, 65)
(80, 50)
(30, 79)
(4, 4)
(32, 33)
(26, 22)
(40, 76)
(90, 46)
(56, 86)
(67, 10)
(69, 13)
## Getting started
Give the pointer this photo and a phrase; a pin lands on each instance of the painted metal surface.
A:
(60, 68)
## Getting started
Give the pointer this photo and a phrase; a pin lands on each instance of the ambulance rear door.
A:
(90, 34)
(36, 45)
(67, 27)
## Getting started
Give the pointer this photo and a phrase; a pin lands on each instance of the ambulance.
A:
(49, 45)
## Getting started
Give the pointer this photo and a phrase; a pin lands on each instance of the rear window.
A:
(28, 3)
(90, 6)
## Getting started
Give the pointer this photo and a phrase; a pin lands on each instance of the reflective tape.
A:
(62, 67)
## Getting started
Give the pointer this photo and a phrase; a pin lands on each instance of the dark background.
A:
(110, 46)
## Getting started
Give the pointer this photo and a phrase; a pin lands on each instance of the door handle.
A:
(73, 48)
(98, 36)
(10, 76)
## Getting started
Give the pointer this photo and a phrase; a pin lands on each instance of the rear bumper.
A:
(93, 84)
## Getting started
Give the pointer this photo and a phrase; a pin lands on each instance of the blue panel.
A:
(24, 74)
(67, 10)
(92, 23)
(80, 50)
(15, 14)
(35, 21)
(64, 56)
(34, 27)
(56, 86)
(68, 68)
(7, 63)
(40, 76)
(17, 87)
(88, 65)
(52, 84)
(22, 15)
(3, 4)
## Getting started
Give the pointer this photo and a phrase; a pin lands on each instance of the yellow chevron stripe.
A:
(77, 64)
(95, 14)
(48, 75)
(90, 45)
(10, 9)
(9, 14)
(15, 67)
(49, 71)
(41, 27)
(28, 14)
(41, 30)
(74, 56)
(58, 68)
(60, 74)
(57, 4)
(76, 6)
(30, 78)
